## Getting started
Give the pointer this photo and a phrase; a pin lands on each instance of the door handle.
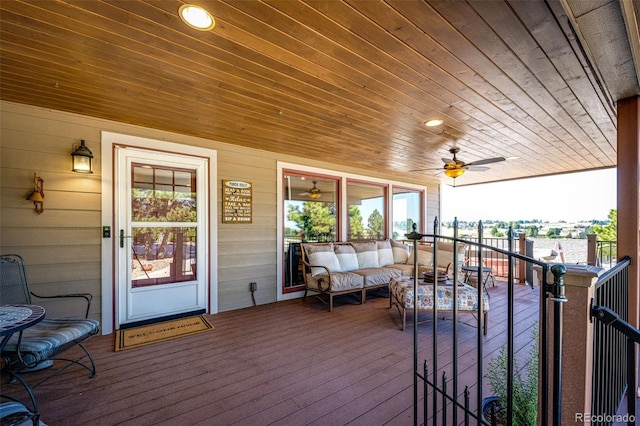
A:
(122, 237)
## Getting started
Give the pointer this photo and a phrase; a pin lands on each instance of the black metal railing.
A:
(498, 262)
(493, 259)
(606, 252)
(442, 399)
(613, 345)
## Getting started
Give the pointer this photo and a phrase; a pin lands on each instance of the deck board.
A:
(287, 363)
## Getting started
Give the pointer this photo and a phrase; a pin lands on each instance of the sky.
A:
(570, 197)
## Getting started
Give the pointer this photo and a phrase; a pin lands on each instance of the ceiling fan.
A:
(314, 193)
(454, 167)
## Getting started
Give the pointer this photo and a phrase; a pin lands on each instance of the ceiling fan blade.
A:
(425, 170)
(486, 161)
(477, 168)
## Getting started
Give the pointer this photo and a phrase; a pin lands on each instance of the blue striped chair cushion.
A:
(47, 338)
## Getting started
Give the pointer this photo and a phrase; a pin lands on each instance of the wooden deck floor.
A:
(287, 363)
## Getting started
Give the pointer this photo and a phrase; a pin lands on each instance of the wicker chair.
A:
(36, 347)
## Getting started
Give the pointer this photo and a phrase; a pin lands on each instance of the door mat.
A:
(160, 332)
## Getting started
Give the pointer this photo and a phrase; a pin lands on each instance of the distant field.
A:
(575, 250)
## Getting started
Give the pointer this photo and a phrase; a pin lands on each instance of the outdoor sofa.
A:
(337, 268)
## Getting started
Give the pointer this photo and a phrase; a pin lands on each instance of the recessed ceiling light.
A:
(434, 122)
(196, 17)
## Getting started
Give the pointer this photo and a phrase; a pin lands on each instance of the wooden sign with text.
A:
(237, 201)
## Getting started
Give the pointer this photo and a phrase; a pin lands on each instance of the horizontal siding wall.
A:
(247, 252)
(62, 246)
(433, 208)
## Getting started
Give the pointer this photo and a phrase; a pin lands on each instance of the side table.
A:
(486, 273)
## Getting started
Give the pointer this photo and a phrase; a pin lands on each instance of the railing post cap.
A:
(413, 236)
(559, 269)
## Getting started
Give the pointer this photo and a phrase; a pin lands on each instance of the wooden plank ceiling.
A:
(351, 83)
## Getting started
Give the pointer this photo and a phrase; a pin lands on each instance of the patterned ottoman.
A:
(401, 295)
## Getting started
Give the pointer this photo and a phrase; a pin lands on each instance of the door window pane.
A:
(163, 255)
(183, 179)
(406, 211)
(164, 176)
(366, 211)
(162, 195)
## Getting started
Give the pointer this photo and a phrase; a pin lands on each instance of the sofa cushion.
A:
(340, 281)
(446, 246)
(425, 256)
(346, 257)
(367, 254)
(400, 251)
(378, 276)
(405, 269)
(45, 339)
(385, 253)
(444, 258)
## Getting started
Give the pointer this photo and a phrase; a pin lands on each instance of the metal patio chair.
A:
(36, 347)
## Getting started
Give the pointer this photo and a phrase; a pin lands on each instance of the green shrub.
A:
(525, 383)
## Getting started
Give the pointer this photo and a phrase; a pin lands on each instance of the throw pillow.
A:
(310, 248)
(400, 251)
(425, 257)
(324, 258)
(445, 253)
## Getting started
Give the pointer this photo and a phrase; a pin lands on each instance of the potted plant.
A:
(525, 388)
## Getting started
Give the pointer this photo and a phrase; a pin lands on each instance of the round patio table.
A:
(14, 319)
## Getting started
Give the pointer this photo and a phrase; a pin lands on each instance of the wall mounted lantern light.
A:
(82, 158)
(37, 195)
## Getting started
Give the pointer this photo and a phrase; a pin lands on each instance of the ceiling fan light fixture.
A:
(196, 17)
(314, 193)
(434, 122)
(454, 172)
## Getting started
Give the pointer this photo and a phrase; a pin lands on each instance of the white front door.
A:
(161, 229)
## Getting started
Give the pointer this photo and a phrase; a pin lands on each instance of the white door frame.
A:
(178, 296)
(110, 245)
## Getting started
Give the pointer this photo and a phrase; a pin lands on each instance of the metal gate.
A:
(439, 398)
